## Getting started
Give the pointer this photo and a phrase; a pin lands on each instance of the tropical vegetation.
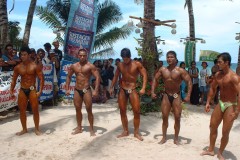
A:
(55, 15)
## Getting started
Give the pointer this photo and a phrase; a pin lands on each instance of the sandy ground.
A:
(57, 143)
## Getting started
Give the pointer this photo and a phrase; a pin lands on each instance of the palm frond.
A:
(110, 37)
(105, 53)
(61, 8)
(109, 13)
(48, 17)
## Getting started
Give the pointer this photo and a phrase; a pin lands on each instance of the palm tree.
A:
(188, 3)
(149, 47)
(56, 14)
(3, 23)
(14, 32)
(28, 25)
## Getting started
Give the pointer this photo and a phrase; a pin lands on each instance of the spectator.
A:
(116, 86)
(183, 86)
(204, 87)
(58, 51)
(47, 47)
(193, 72)
(52, 59)
(10, 60)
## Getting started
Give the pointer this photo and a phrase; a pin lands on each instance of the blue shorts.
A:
(204, 89)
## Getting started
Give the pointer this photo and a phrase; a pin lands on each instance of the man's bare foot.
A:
(21, 132)
(92, 133)
(77, 130)
(38, 133)
(164, 140)
(124, 134)
(220, 156)
(138, 137)
(206, 152)
(176, 141)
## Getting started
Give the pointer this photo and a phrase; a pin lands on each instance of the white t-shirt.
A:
(203, 74)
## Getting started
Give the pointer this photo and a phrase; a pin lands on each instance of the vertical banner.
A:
(81, 28)
(62, 81)
(189, 53)
(47, 92)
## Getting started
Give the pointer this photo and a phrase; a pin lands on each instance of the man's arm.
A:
(41, 79)
(68, 78)
(96, 74)
(211, 93)
(237, 87)
(115, 78)
(143, 72)
(155, 81)
(188, 80)
(14, 79)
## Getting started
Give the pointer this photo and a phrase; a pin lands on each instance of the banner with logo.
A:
(6, 100)
(208, 55)
(81, 27)
(47, 92)
(62, 81)
(189, 53)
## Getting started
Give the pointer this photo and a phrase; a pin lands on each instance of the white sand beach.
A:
(57, 143)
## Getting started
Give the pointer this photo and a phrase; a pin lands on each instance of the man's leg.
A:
(166, 107)
(216, 119)
(33, 99)
(135, 103)
(227, 125)
(88, 102)
(78, 106)
(122, 102)
(177, 108)
(22, 105)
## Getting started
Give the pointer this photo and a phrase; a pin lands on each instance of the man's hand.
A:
(111, 91)
(67, 92)
(153, 95)
(12, 95)
(38, 94)
(142, 91)
(186, 99)
(207, 107)
(235, 114)
(95, 93)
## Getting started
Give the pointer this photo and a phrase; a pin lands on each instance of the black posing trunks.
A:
(82, 92)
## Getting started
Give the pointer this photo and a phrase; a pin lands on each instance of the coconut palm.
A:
(14, 32)
(188, 4)
(28, 25)
(3, 23)
(56, 14)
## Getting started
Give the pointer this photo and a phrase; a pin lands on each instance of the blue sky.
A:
(214, 22)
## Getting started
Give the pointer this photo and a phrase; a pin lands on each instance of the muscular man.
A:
(172, 77)
(28, 72)
(82, 93)
(129, 71)
(228, 108)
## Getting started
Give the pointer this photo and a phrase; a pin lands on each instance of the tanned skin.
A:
(83, 71)
(129, 71)
(229, 84)
(28, 71)
(172, 77)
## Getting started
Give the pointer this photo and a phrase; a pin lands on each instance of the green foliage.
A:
(147, 103)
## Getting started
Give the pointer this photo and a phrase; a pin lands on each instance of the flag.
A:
(208, 55)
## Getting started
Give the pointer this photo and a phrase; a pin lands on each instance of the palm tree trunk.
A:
(149, 45)
(239, 55)
(28, 25)
(3, 24)
(191, 25)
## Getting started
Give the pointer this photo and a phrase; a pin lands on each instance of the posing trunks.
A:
(225, 105)
(127, 91)
(27, 91)
(82, 92)
(171, 97)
